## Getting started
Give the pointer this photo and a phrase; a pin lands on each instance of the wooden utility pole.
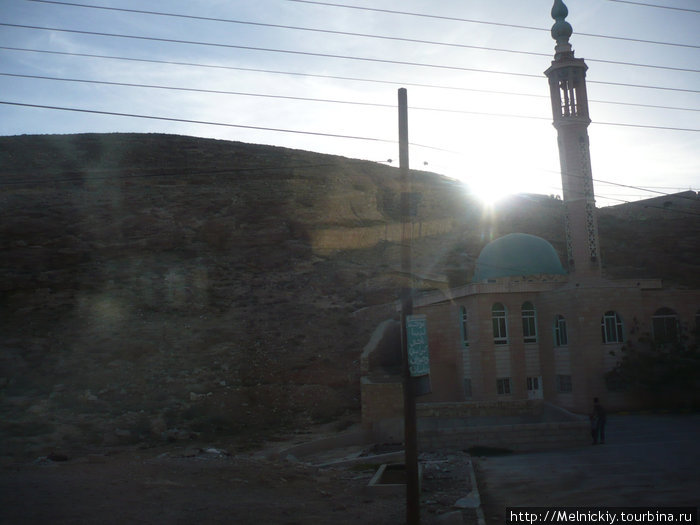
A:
(409, 397)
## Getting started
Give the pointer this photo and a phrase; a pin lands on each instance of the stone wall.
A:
(381, 356)
(381, 400)
(517, 425)
(521, 407)
(450, 434)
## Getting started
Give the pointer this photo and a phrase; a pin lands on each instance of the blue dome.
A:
(517, 254)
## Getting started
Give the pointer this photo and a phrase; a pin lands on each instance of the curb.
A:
(475, 489)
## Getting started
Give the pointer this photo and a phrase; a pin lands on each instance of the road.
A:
(648, 460)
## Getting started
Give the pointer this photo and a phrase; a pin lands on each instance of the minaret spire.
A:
(567, 87)
(561, 30)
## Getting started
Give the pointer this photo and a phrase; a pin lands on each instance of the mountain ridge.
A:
(164, 286)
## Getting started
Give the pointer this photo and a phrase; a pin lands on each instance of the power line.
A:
(645, 195)
(655, 106)
(618, 184)
(200, 90)
(271, 71)
(269, 50)
(673, 210)
(264, 95)
(333, 77)
(210, 123)
(282, 26)
(624, 201)
(656, 5)
(639, 195)
(332, 101)
(456, 19)
(326, 55)
(625, 84)
(348, 33)
(649, 190)
(670, 128)
(677, 188)
(188, 121)
(634, 64)
(611, 183)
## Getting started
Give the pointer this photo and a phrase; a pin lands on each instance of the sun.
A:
(487, 189)
(484, 185)
(488, 159)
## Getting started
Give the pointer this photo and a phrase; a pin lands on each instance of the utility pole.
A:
(409, 396)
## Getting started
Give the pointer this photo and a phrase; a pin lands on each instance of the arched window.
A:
(664, 326)
(560, 336)
(611, 326)
(464, 325)
(499, 316)
(529, 322)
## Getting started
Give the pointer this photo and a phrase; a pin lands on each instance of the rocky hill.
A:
(164, 287)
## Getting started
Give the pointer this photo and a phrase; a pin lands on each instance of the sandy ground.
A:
(183, 486)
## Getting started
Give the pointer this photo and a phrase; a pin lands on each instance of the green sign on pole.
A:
(417, 342)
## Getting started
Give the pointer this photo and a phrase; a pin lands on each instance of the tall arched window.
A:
(464, 325)
(560, 336)
(664, 325)
(529, 322)
(499, 318)
(611, 327)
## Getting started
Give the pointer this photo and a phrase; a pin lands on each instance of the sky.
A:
(478, 101)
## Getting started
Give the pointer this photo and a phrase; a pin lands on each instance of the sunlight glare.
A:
(497, 159)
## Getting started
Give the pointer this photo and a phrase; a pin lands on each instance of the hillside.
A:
(168, 287)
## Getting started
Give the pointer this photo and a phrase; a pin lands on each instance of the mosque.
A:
(529, 327)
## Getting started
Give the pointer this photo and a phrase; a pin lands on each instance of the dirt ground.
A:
(195, 484)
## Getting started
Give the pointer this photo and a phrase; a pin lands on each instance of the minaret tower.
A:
(567, 85)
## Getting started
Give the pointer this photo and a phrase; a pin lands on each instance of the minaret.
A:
(567, 85)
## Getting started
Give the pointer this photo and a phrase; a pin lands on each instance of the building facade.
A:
(543, 336)
(526, 327)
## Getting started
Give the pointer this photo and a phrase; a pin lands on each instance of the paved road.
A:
(648, 460)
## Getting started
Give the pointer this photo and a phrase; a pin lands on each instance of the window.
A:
(499, 317)
(467, 387)
(611, 327)
(664, 325)
(533, 383)
(464, 323)
(503, 386)
(560, 337)
(564, 383)
(529, 323)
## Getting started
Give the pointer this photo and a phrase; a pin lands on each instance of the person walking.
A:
(594, 427)
(598, 420)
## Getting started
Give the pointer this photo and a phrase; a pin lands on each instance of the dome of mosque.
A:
(517, 254)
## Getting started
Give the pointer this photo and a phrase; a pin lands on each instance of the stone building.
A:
(527, 330)
(529, 327)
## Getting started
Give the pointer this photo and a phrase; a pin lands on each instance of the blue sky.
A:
(502, 141)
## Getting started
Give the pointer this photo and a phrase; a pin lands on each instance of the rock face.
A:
(159, 287)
